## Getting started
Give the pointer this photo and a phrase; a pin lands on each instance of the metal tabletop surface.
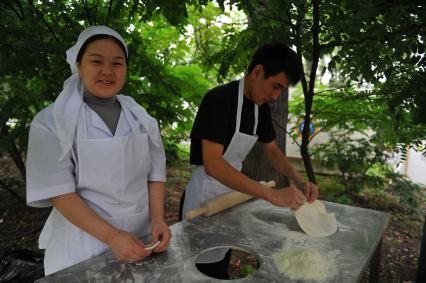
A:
(268, 232)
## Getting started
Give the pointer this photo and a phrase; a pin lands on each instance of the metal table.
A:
(255, 226)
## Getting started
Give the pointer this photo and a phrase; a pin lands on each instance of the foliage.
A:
(373, 51)
(161, 75)
(168, 86)
(382, 44)
(212, 29)
(333, 191)
(362, 110)
(399, 61)
(363, 171)
(352, 157)
(377, 65)
(409, 193)
(372, 43)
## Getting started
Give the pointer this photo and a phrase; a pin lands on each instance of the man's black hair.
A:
(97, 37)
(276, 58)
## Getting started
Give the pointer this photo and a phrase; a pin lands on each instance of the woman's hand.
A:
(160, 231)
(126, 247)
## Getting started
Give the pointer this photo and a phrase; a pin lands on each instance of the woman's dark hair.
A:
(276, 58)
(97, 37)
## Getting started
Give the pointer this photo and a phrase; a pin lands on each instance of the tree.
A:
(348, 33)
(35, 35)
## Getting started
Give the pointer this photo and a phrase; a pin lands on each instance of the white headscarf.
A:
(85, 35)
(68, 106)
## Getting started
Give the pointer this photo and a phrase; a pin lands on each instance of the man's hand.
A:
(288, 197)
(160, 232)
(310, 190)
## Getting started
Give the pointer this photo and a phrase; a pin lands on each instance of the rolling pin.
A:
(222, 202)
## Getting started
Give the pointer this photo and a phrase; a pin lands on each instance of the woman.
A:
(97, 157)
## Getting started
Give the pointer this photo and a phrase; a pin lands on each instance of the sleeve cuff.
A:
(40, 198)
(157, 178)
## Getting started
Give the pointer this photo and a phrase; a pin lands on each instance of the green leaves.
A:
(161, 74)
(178, 49)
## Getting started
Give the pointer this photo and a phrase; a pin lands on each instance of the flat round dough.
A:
(315, 221)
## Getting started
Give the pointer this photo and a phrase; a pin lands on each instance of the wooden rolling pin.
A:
(222, 202)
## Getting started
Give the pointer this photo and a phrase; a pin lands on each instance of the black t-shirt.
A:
(216, 119)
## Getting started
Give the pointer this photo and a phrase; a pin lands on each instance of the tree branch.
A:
(316, 48)
(14, 152)
(86, 8)
(38, 13)
(311, 91)
(199, 46)
(285, 131)
(364, 7)
(345, 99)
(10, 191)
(415, 29)
(333, 89)
(265, 15)
(109, 10)
(250, 12)
(20, 16)
(96, 11)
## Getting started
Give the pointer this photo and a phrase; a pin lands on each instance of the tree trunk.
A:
(256, 166)
(14, 153)
(309, 90)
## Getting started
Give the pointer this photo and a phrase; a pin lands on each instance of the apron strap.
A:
(81, 130)
(132, 121)
(256, 118)
(240, 107)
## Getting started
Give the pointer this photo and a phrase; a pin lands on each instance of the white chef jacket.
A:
(47, 176)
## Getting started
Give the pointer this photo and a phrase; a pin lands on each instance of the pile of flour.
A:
(306, 263)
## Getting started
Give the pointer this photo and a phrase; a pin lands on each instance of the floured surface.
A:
(315, 221)
(270, 233)
(306, 263)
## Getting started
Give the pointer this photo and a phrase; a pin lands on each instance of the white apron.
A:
(202, 187)
(111, 177)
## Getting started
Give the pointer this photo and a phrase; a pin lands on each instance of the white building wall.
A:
(414, 167)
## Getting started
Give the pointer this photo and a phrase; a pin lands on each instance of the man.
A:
(230, 119)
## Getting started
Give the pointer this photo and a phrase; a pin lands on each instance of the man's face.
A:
(263, 90)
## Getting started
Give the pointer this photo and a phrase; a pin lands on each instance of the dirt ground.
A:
(20, 226)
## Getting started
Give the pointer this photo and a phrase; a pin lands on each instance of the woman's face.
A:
(103, 68)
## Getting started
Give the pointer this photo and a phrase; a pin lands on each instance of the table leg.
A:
(421, 269)
(375, 264)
